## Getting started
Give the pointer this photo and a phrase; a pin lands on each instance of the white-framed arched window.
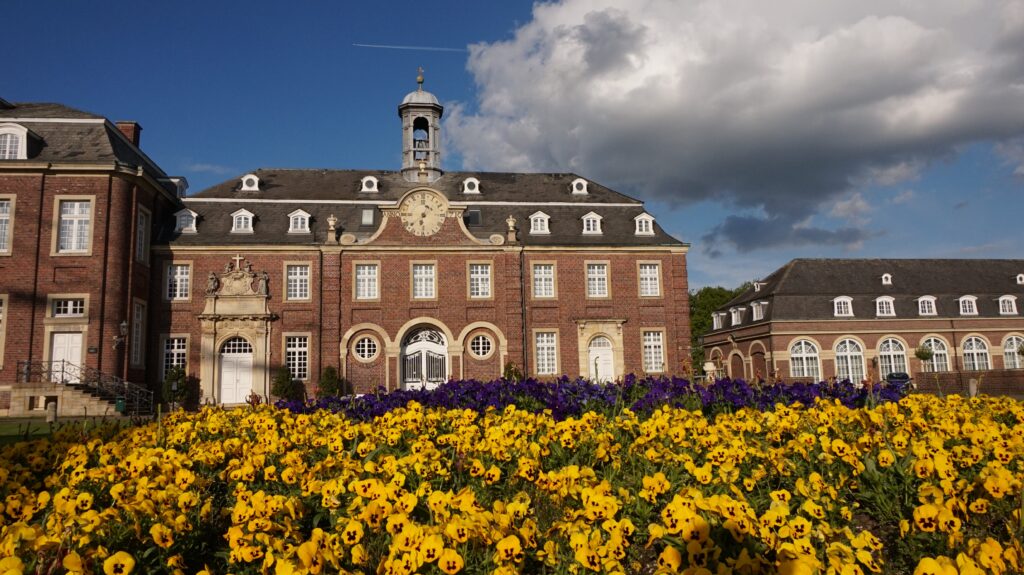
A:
(241, 222)
(926, 305)
(892, 357)
(804, 362)
(976, 354)
(13, 142)
(1013, 352)
(591, 223)
(539, 223)
(578, 186)
(471, 186)
(849, 361)
(1008, 305)
(185, 221)
(842, 306)
(885, 306)
(298, 222)
(644, 224)
(940, 355)
(968, 305)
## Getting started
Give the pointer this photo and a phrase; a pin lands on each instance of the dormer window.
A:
(884, 306)
(843, 306)
(471, 186)
(737, 315)
(368, 184)
(298, 222)
(539, 223)
(644, 225)
(13, 142)
(1020, 279)
(968, 305)
(185, 222)
(926, 305)
(241, 222)
(250, 183)
(758, 310)
(1008, 305)
(716, 319)
(887, 279)
(592, 224)
(758, 286)
(579, 186)
(471, 217)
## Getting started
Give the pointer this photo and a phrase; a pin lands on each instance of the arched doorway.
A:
(235, 370)
(736, 367)
(601, 361)
(424, 359)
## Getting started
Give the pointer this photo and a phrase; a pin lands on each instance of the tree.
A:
(702, 303)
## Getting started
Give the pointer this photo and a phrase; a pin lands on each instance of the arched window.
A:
(940, 355)
(885, 306)
(849, 361)
(10, 145)
(803, 361)
(1013, 352)
(892, 357)
(842, 306)
(975, 354)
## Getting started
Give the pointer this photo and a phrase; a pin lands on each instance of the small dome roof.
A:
(420, 97)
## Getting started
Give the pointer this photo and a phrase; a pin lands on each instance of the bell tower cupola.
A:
(421, 134)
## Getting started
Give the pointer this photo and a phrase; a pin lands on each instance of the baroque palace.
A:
(110, 274)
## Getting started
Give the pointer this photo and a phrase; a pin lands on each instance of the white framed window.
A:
(543, 280)
(940, 355)
(366, 219)
(597, 280)
(250, 183)
(892, 357)
(926, 305)
(13, 142)
(592, 224)
(479, 280)
(471, 186)
(842, 306)
(1008, 305)
(644, 225)
(849, 361)
(75, 222)
(368, 184)
(5, 225)
(297, 280)
(365, 348)
(1013, 348)
(804, 362)
(178, 281)
(424, 281)
(142, 227)
(887, 279)
(1020, 279)
(298, 222)
(481, 346)
(737, 315)
(367, 286)
(716, 321)
(885, 307)
(654, 351)
(241, 222)
(74, 307)
(539, 223)
(976, 354)
(175, 355)
(968, 305)
(578, 186)
(546, 352)
(650, 279)
(138, 343)
(757, 310)
(296, 356)
(185, 222)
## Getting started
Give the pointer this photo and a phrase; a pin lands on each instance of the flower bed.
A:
(922, 485)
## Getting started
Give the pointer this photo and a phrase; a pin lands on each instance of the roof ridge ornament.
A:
(419, 79)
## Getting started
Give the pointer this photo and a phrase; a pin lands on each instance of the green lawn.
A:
(13, 431)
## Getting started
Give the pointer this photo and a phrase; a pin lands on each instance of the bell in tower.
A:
(421, 134)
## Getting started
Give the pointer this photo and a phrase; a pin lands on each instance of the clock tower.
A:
(421, 134)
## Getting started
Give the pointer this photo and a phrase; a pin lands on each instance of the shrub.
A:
(512, 372)
(331, 385)
(175, 387)
(284, 387)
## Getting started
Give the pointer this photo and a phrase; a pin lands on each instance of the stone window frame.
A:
(13, 199)
(554, 280)
(490, 280)
(892, 354)
(77, 324)
(309, 355)
(5, 313)
(485, 334)
(55, 225)
(1012, 336)
(355, 280)
(976, 354)
(360, 337)
(412, 280)
(164, 338)
(546, 330)
(850, 355)
(308, 264)
(658, 282)
(945, 352)
(607, 279)
(167, 281)
(137, 333)
(142, 252)
(664, 348)
(805, 369)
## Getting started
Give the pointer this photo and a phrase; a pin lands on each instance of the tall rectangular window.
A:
(175, 354)
(178, 281)
(423, 281)
(296, 356)
(5, 226)
(73, 233)
(546, 353)
(650, 280)
(597, 280)
(138, 343)
(654, 352)
(479, 280)
(297, 282)
(366, 281)
(543, 280)
(142, 237)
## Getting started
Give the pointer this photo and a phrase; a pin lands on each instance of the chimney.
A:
(131, 130)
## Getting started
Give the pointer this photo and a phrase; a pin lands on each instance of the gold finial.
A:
(419, 79)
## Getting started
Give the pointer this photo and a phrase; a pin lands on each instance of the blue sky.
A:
(758, 132)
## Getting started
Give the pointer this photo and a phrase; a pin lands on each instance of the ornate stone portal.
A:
(236, 307)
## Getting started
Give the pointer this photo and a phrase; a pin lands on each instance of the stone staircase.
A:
(77, 390)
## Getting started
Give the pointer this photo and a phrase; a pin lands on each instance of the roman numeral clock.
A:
(423, 213)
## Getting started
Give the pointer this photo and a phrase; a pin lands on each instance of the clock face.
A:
(423, 213)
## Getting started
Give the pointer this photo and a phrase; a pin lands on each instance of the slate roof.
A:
(320, 186)
(803, 289)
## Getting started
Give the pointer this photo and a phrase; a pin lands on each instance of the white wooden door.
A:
(235, 371)
(66, 355)
(602, 364)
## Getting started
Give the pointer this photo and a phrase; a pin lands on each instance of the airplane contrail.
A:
(427, 48)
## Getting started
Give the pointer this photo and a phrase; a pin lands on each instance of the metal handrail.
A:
(137, 399)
